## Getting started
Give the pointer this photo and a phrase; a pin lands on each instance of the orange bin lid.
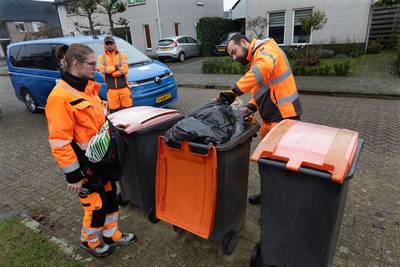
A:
(302, 144)
(186, 186)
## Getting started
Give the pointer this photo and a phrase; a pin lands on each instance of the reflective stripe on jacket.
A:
(72, 116)
(114, 78)
(270, 82)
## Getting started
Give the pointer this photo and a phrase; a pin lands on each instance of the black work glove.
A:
(226, 97)
(75, 176)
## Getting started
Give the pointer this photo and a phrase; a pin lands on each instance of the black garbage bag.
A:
(214, 123)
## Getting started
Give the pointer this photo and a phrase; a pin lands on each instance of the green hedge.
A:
(351, 50)
(223, 65)
(210, 30)
(338, 69)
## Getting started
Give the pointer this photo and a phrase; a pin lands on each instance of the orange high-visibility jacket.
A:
(270, 82)
(72, 116)
(114, 78)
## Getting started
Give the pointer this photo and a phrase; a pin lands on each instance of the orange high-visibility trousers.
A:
(119, 98)
(100, 215)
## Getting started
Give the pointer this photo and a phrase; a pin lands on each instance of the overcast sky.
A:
(227, 3)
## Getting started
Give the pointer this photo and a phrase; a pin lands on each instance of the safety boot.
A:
(125, 239)
(102, 250)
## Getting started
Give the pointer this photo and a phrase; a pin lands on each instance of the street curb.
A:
(304, 92)
(4, 74)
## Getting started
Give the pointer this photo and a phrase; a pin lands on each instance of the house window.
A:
(147, 36)
(20, 26)
(299, 35)
(136, 2)
(36, 26)
(177, 29)
(276, 28)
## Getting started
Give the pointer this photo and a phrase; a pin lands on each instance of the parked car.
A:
(178, 48)
(34, 72)
(220, 47)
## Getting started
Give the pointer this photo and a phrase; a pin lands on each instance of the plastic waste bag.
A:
(214, 123)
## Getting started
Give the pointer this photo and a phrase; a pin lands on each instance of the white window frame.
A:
(179, 28)
(19, 23)
(130, 31)
(129, 4)
(38, 24)
(284, 25)
(293, 14)
(145, 38)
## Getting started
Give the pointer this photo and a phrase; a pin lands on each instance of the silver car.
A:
(178, 47)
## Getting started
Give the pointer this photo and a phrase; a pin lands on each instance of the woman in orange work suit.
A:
(75, 114)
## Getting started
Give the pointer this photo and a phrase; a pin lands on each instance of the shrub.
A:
(341, 55)
(324, 70)
(326, 53)
(313, 60)
(294, 52)
(342, 69)
(223, 65)
(374, 47)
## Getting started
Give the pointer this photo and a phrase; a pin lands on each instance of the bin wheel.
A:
(178, 230)
(121, 201)
(229, 242)
(255, 259)
(152, 215)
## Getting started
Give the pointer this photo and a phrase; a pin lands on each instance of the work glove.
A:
(248, 111)
(75, 176)
(226, 97)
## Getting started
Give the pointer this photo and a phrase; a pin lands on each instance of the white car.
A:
(178, 48)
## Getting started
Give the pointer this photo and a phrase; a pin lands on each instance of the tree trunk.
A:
(111, 21)
(91, 23)
(306, 60)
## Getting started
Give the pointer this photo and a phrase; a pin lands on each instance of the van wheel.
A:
(181, 57)
(29, 101)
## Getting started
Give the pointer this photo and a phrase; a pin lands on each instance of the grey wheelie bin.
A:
(142, 126)
(202, 189)
(305, 170)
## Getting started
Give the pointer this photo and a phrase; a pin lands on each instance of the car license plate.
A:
(221, 50)
(164, 49)
(163, 98)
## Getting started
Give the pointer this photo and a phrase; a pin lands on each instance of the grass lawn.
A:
(366, 66)
(20, 246)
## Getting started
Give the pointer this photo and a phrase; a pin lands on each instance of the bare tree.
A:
(44, 33)
(111, 7)
(85, 8)
(258, 26)
(311, 23)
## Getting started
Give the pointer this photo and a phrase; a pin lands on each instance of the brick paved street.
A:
(31, 182)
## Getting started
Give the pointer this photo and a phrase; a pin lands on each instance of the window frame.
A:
(17, 23)
(284, 25)
(146, 41)
(293, 20)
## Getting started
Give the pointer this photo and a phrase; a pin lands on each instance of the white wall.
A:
(347, 19)
(186, 12)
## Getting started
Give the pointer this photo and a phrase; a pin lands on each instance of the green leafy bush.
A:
(223, 65)
(324, 70)
(326, 53)
(374, 47)
(342, 69)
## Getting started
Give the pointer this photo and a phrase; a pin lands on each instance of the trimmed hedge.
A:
(326, 50)
(211, 29)
(223, 65)
(339, 69)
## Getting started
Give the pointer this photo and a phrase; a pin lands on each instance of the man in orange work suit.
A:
(114, 66)
(269, 81)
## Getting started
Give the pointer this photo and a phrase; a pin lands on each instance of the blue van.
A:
(34, 71)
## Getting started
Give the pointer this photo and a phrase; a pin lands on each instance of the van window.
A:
(35, 56)
(14, 54)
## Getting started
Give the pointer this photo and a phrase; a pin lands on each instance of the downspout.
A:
(158, 19)
(368, 27)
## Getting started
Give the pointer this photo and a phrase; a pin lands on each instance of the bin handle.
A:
(356, 158)
(282, 165)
